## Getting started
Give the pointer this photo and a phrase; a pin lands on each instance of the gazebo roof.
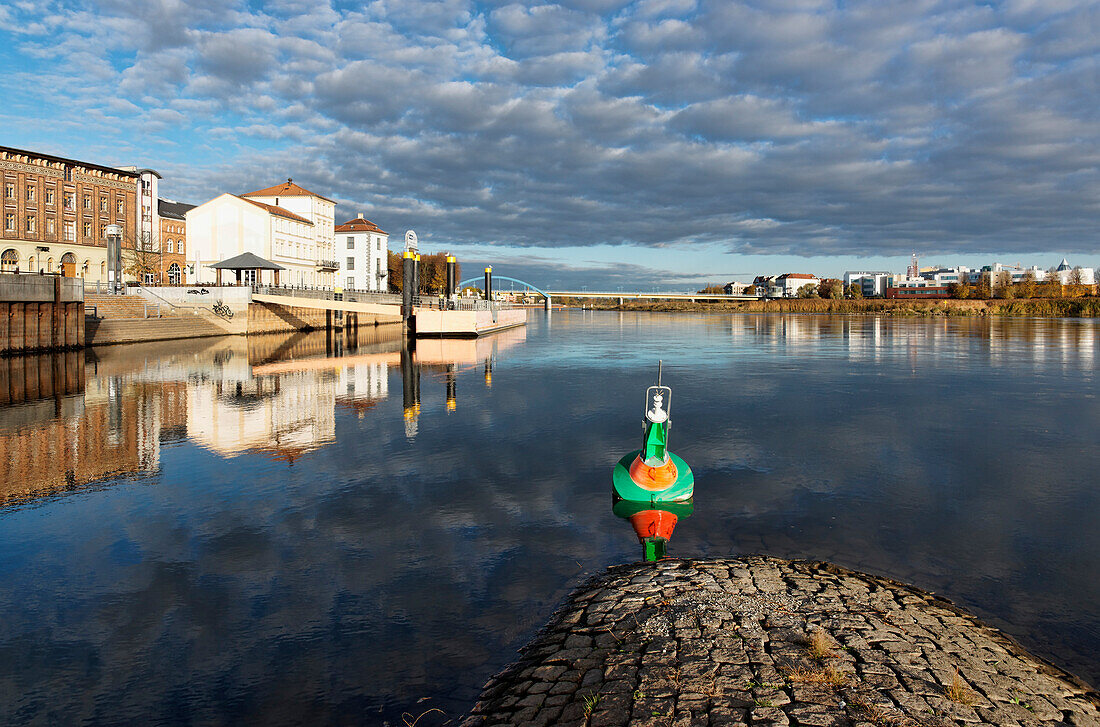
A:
(246, 261)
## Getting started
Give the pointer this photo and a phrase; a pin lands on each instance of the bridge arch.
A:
(496, 277)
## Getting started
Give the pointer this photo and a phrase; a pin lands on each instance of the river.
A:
(303, 528)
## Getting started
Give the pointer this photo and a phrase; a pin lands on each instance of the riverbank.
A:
(1021, 307)
(763, 641)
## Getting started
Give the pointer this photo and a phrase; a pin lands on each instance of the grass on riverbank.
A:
(1023, 307)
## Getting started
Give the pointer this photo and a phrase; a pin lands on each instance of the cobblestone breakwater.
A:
(763, 641)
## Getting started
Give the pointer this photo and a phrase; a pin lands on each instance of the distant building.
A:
(56, 211)
(762, 284)
(872, 284)
(736, 288)
(172, 237)
(365, 248)
(788, 284)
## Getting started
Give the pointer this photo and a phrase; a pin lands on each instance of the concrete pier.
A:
(40, 313)
(764, 641)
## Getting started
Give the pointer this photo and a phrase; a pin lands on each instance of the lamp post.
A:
(114, 257)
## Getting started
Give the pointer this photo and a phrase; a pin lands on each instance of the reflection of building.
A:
(284, 415)
(68, 438)
(56, 211)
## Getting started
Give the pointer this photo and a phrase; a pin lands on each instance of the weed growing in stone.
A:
(957, 690)
(590, 702)
(820, 645)
(825, 676)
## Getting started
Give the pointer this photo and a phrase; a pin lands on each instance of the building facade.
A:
(321, 213)
(788, 284)
(285, 224)
(172, 239)
(56, 211)
(364, 247)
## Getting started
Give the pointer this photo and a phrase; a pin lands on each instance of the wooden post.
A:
(219, 277)
(56, 330)
(276, 278)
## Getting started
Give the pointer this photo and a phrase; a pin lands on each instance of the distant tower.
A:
(914, 267)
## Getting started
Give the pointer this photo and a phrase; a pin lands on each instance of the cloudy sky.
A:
(599, 142)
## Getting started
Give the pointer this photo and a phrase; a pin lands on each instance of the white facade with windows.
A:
(228, 225)
(363, 249)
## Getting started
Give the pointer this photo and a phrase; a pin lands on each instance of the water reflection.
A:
(259, 534)
(653, 523)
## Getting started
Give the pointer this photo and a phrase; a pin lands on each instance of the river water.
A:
(303, 528)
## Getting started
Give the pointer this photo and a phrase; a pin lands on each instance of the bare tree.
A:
(142, 255)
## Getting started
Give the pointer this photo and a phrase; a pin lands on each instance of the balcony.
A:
(328, 266)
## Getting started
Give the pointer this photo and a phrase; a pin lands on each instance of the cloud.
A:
(855, 129)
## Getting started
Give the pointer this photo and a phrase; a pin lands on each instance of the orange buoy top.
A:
(653, 479)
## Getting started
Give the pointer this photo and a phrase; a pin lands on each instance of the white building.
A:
(872, 284)
(285, 224)
(788, 284)
(365, 248)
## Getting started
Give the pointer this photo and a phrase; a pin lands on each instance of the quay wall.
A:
(40, 313)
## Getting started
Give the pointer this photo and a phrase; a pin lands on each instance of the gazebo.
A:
(250, 265)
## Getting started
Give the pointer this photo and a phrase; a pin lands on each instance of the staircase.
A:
(98, 331)
(121, 306)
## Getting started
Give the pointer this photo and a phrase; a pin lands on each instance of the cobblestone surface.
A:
(763, 641)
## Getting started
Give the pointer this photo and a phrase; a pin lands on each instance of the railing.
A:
(353, 296)
(328, 265)
(160, 299)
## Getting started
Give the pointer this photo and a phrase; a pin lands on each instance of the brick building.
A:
(172, 238)
(56, 211)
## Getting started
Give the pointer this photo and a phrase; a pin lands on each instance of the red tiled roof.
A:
(360, 225)
(286, 189)
(276, 210)
(800, 276)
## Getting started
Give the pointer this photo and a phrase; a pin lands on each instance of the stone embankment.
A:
(763, 641)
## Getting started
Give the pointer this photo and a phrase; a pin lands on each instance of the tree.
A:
(830, 288)
(1053, 284)
(141, 256)
(982, 289)
(712, 289)
(1003, 286)
(960, 289)
(854, 291)
(809, 290)
(1027, 285)
(394, 267)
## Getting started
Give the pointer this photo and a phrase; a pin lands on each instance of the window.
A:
(120, 207)
(30, 223)
(351, 283)
(87, 229)
(49, 196)
(49, 265)
(9, 261)
(50, 226)
(31, 192)
(70, 201)
(351, 263)
(102, 204)
(87, 201)
(351, 242)
(68, 173)
(70, 230)
(171, 246)
(9, 190)
(174, 276)
(9, 221)
(179, 247)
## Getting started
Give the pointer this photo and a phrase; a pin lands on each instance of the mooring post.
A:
(452, 282)
(407, 264)
(489, 282)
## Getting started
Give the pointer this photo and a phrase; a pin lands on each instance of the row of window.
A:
(378, 242)
(30, 226)
(69, 199)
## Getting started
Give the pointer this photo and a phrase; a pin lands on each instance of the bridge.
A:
(638, 295)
